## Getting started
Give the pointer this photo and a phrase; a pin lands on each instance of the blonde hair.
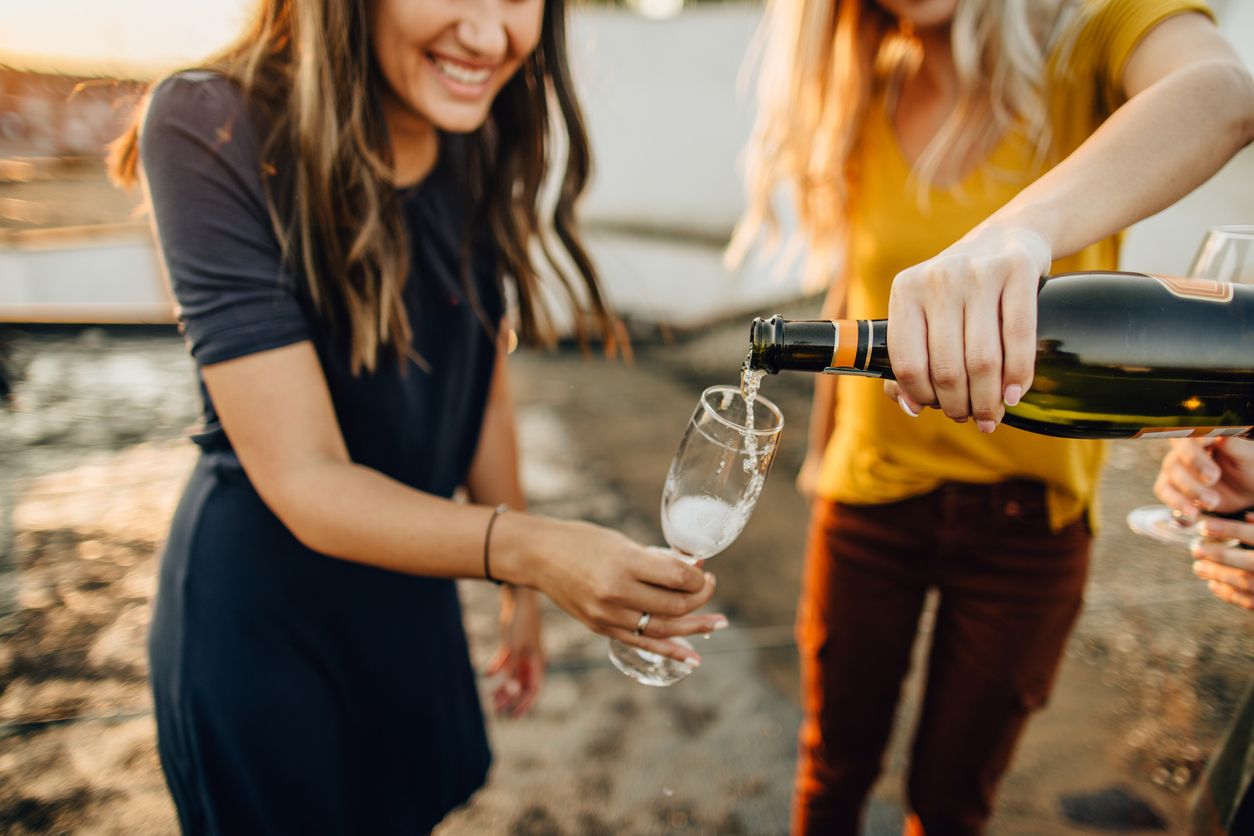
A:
(825, 61)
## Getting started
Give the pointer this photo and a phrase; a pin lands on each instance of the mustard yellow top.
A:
(877, 453)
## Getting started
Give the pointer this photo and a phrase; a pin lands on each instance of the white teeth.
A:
(461, 74)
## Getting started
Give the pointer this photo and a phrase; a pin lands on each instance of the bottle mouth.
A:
(765, 338)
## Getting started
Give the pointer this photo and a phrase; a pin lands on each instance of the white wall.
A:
(1167, 242)
(668, 124)
(668, 114)
(664, 116)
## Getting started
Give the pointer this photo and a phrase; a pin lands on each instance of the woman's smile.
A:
(465, 79)
(444, 61)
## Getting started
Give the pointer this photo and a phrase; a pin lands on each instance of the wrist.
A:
(512, 556)
(1029, 230)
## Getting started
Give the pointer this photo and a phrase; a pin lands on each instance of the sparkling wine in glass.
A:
(713, 484)
(1226, 255)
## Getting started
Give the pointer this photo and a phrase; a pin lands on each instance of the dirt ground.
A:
(92, 462)
(92, 457)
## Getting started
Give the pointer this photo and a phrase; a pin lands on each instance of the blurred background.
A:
(92, 457)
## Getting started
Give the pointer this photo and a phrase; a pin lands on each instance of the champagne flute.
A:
(711, 489)
(1226, 255)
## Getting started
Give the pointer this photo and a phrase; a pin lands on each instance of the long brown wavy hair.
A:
(310, 66)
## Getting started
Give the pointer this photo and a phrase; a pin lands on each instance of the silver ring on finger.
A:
(642, 623)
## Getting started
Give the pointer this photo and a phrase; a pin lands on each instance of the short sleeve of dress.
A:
(1115, 30)
(199, 149)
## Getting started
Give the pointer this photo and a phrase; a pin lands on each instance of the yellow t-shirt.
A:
(877, 453)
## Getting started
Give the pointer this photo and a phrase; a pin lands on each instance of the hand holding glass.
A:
(1226, 255)
(711, 489)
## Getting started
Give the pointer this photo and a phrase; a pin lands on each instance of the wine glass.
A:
(1226, 255)
(713, 484)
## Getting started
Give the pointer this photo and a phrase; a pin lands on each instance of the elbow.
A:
(1247, 113)
(310, 534)
(306, 527)
(294, 498)
(1235, 87)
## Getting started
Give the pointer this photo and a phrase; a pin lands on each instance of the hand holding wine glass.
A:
(1217, 474)
(1210, 474)
(710, 491)
(1189, 481)
(1228, 569)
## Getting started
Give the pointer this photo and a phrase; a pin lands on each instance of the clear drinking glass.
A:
(713, 484)
(1226, 255)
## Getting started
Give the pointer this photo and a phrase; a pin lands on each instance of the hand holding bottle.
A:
(1118, 355)
(964, 324)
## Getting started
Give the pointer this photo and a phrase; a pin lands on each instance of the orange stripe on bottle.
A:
(846, 343)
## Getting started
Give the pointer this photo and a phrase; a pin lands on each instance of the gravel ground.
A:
(92, 458)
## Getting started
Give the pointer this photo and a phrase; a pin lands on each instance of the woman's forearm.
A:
(1154, 150)
(277, 410)
(357, 513)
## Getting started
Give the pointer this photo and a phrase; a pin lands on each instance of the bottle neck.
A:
(861, 348)
(843, 346)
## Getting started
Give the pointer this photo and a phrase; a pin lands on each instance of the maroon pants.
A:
(1010, 591)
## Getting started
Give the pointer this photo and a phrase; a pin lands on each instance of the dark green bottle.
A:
(1119, 355)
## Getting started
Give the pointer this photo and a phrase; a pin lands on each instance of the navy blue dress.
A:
(297, 693)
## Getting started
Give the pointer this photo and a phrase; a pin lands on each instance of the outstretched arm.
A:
(963, 325)
(277, 411)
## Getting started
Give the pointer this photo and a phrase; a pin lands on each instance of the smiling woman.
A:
(341, 200)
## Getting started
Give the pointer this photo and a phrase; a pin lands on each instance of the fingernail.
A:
(1210, 474)
(709, 576)
(1013, 393)
(720, 623)
(905, 408)
(1209, 500)
(961, 420)
(986, 426)
(693, 660)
